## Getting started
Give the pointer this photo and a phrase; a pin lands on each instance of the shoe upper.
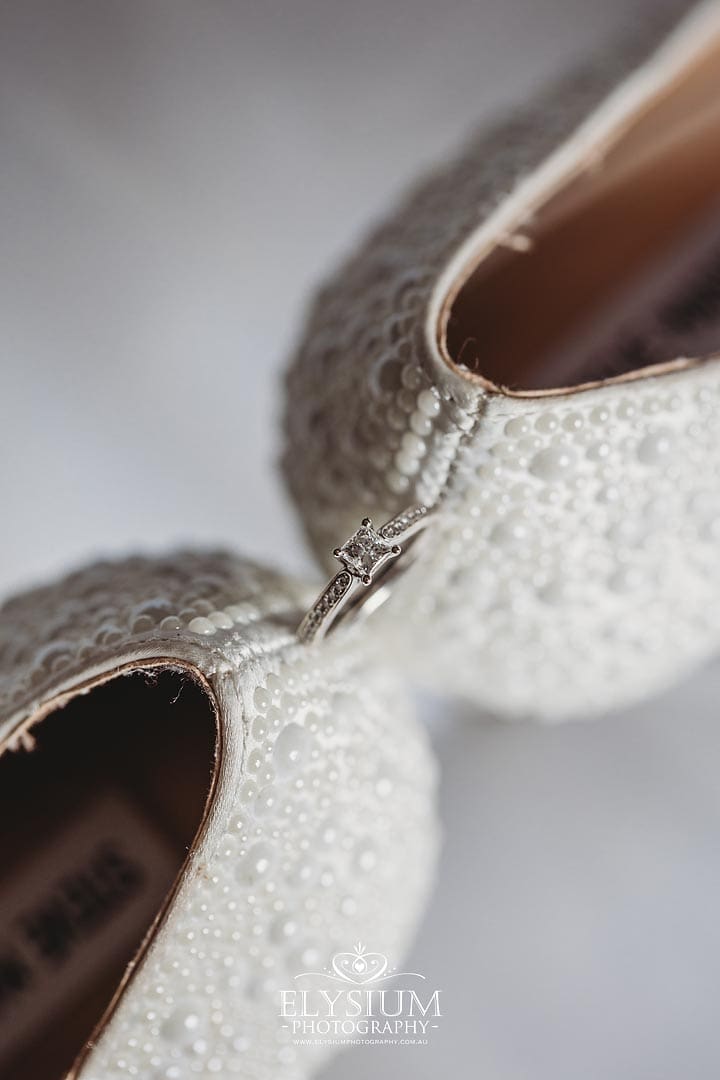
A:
(318, 829)
(572, 565)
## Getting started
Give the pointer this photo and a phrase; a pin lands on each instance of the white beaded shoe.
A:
(530, 348)
(195, 810)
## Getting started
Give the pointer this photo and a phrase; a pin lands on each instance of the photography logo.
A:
(351, 1001)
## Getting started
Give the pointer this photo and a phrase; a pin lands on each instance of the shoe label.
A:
(78, 904)
(671, 311)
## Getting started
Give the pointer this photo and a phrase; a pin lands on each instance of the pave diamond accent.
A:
(365, 552)
(403, 521)
(325, 602)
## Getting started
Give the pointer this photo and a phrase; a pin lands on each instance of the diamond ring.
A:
(367, 557)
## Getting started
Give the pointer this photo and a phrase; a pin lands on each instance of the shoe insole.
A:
(613, 269)
(95, 824)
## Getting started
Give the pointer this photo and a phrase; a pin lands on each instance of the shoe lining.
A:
(580, 292)
(97, 821)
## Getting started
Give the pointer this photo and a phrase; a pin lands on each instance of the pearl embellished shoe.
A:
(529, 350)
(504, 436)
(196, 809)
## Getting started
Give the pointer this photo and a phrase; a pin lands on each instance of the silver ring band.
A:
(367, 557)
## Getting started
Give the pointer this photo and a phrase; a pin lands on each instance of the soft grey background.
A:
(174, 177)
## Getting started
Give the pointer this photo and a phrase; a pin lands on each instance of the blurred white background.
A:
(174, 178)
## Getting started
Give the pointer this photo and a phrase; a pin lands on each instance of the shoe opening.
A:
(97, 821)
(613, 270)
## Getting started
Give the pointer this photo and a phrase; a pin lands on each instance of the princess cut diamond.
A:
(365, 552)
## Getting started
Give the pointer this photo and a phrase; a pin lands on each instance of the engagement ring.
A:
(363, 583)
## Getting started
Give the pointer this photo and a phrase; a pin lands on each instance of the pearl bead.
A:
(262, 698)
(518, 426)
(420, 424)
(552, 463)
(655, 447)
(428, 403)
(293, 747)
(406, 463)
(397, 482)
(220, 619)
(413, 445)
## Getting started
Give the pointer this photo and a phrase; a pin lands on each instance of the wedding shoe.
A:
(529, 350)
(200, 804)
(196, 809)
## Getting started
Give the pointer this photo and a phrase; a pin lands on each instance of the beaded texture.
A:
(321, 829)
(574, 566)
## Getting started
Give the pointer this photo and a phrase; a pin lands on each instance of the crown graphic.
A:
(360, 967)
